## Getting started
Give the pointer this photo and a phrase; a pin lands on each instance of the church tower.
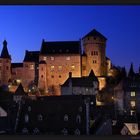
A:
(5, 65)
(94, 45)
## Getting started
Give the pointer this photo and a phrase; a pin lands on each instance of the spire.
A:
(131, 71)
(5, 53)
(124, 72)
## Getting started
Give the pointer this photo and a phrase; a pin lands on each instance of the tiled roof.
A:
(61, 47)
(95, 33)
(5, 53)
(31, 56)
(82, 81)
(16, 65)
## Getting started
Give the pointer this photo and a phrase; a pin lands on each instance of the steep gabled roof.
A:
(95, 33)
(20, 90)
(61, 47)
(31, 56)
(5, 53)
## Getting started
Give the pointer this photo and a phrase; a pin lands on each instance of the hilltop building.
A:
(49, 68)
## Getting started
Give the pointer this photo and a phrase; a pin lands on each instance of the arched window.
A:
(24, 130)
(80, 109)
(26, 118)
(77, 132)
(65, 131)
(36, 131)
(29, 108)
(66, 118)
(78, 119)
(40, 117)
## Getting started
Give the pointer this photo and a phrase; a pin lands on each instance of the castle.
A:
(49, 68)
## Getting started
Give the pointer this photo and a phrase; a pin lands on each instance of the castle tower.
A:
(5, 65)
(94, 45)
(42, 82)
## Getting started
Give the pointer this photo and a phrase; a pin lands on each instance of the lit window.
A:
(52, 68)
(72, 67)
(132, 93)
(59, 67)
(66, 117)
(52, 58)
(68, 58)
(31, 66)
(133, 103)
(132, 112)
(18, 81)
(26, 118)
(44, 58)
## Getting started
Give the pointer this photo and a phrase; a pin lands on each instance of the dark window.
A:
(94, 38)
(0, 67)
(52, 76)
(42, 69)
(7, 68)
(59, 76)
(95, 52)
(94, 61)
(41, 76)
(7, 61)
(91, 52)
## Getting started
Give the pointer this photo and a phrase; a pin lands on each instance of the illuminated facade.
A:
(49, 68)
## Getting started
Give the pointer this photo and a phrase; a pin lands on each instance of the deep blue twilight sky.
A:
(24, 27)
